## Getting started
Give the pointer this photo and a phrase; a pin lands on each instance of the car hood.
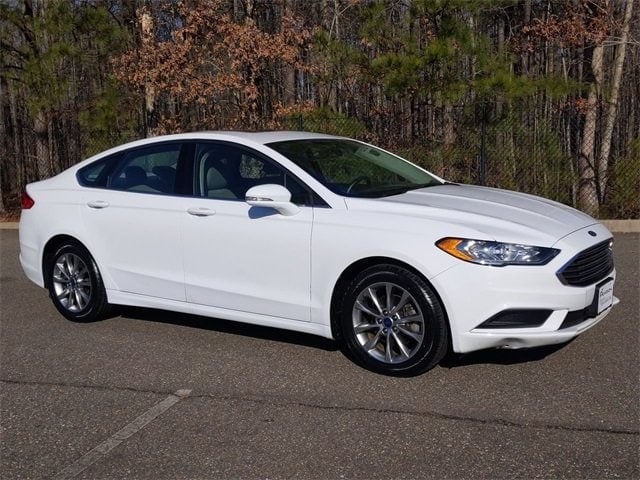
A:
(499, 214)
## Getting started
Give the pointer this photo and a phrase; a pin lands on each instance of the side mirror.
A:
(273, 196)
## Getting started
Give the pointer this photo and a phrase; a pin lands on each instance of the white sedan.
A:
(319, 234)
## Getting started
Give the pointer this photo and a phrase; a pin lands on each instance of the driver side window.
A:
(226, 172)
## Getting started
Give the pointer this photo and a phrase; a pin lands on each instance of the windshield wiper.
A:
(390, 190)
(407, 188)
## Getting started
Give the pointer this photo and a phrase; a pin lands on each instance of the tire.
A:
(392, 322)
(75, 284)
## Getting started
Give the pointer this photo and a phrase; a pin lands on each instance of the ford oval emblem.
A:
(592, 233)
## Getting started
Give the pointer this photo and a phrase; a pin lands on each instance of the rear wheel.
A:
(392, 322)
(75, 285)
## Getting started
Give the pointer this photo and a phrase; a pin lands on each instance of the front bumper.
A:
(479, 339)
(472, 293)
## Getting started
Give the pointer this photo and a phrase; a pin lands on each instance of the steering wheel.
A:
(361, 178)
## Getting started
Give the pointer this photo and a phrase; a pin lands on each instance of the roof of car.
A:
(233, 136)
(257, 137)
(271, 136)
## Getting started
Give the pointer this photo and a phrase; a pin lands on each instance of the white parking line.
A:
(120, 436)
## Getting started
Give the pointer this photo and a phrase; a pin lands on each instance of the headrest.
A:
(215, 180)
(135, 175)
(165, 172)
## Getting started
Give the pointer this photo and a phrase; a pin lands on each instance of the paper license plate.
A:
(605, 296)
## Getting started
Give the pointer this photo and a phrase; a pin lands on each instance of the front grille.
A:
(589, 266)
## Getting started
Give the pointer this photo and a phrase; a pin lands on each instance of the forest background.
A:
(539, 96)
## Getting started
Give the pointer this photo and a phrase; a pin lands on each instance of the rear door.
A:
(134, 220)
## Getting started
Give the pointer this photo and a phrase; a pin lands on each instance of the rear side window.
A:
(150, 170)
(96, 174)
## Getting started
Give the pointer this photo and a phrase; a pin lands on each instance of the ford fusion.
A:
(318, 234)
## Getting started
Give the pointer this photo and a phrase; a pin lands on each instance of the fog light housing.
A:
(521, 318)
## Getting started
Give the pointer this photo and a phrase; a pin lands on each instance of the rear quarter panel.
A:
(57, 211)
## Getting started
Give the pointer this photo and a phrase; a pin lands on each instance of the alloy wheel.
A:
(388, 322)
(72, 282)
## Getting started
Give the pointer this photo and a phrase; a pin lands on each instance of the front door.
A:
(239, 257)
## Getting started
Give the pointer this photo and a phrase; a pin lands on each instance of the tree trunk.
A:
(336, 90)
(18, 150)
(501, 40)
(587, 191)
(41, 130)
(524, 56)
(448, 130)
(5, 141)
(2, 209)
(147, 34)
(612, 102)
(289, 74)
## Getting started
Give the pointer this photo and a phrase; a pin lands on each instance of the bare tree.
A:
(612, 101)
(587, 192)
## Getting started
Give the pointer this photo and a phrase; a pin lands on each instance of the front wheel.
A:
(392, 322)
(75, 285)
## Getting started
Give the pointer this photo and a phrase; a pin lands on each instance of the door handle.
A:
(98, 204)
(200, 212)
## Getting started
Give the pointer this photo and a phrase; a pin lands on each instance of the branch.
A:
(12, 67)
(8, 46)
(615, 41)
(11, 77)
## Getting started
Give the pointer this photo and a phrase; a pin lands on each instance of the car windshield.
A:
(354, 169)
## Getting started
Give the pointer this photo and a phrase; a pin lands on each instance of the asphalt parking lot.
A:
(99, 400)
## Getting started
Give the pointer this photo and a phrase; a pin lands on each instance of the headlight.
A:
(496, 254)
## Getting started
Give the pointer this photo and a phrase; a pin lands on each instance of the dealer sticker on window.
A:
(605, 296)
